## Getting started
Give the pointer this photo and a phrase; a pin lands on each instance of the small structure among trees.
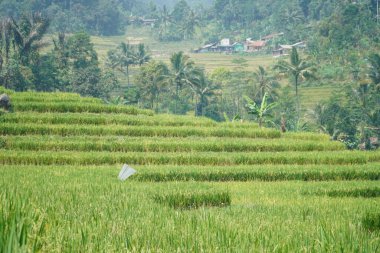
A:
(5, 102)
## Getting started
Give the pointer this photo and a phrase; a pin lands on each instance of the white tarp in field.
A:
(126, 172)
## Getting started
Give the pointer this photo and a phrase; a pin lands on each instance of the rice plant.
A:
(106, 119)
(118, 130)
(60, 155)
(354, 193)
(202, 158)
(62, 107)
(162, 144)
(18, 225)
(194, 200)
(371, 221)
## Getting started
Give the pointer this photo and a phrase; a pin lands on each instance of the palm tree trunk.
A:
(199, 106)
(176, 98)
(297, 98)
(128, 75)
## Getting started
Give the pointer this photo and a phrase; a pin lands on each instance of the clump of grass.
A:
(16, 225)
(78, 107)
(194, 200)
(355, 193)
(3, 142)
(371, 221)
(268, 176)
(93, 130)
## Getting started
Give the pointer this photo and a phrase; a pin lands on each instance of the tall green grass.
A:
(355, 193)
(212, 173)
(20, 228)
(21, 98)
(107, 119)
(66, 130)
(162, 144)
(306, 136)
(115, 118)
(202, 158)
(88, 210)
(194, 200)
(266, 173)
(371, 221)
(62, 107)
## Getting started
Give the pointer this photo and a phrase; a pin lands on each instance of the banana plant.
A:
(262, 111)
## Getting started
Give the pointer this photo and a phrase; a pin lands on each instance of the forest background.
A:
(49, 46)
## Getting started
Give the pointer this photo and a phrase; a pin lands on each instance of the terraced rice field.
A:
(311, 96)
(201, 186)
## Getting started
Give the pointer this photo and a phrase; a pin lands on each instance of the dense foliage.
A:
(342, 42)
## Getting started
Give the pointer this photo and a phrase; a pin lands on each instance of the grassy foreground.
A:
(201, 186)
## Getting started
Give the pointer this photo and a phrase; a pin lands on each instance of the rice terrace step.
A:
(219, 184)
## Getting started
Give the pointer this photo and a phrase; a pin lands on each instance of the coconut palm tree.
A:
(165, 20)
(61, 50)
(203, 90)
(122, 58)
(297, 69)
(19, 40)
(182, 72)
(141, 55)
(265, 84)
(27, 34)
(153, 80)
(189, 25)
(292, 16)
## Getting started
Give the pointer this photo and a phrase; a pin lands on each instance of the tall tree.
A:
(203, 89)
(27, 34)
(165, 20)
(152, 81)
(374, 70)
(297, 69)
(20, 42)
(122, 58)
(189, 24)
(141, 55)
(180, 11)
(182, 72)
(264, 83)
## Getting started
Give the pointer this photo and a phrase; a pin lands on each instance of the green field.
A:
(201, 186)
(310, 96)
(164, 50)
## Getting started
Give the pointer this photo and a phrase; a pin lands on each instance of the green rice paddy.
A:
(200, 186)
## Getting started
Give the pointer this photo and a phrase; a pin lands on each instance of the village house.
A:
(254, 45)
(206, 48)
(284, 50)
(143, 21)
(238, 47)
(224, 46)
(272, 36)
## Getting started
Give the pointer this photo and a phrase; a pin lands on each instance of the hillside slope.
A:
(60, 155)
